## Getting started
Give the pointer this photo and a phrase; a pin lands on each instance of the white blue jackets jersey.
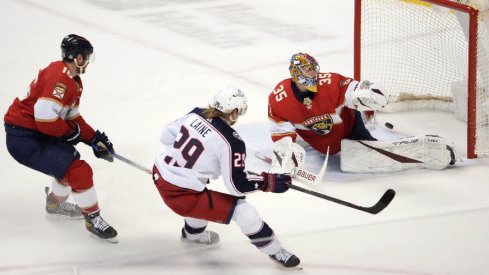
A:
(199, 149)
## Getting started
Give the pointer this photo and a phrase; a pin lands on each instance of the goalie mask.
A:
(228, 99)
(304, 70)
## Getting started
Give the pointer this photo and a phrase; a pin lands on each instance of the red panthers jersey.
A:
(322, 120)
(52, 101)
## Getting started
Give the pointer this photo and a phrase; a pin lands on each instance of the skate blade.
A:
(62, 217)
(297, 267)
(110, 240)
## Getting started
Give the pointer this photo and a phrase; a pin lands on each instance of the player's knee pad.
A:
(79, 175)
(247, 218)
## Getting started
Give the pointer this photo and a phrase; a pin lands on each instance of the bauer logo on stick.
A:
(306, 175)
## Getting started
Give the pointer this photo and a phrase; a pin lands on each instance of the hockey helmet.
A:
(228, 99)
(304, 70)
(72, 45)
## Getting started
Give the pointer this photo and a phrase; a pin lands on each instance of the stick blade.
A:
(384, 201)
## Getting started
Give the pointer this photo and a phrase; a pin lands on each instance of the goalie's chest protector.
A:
(322, 121)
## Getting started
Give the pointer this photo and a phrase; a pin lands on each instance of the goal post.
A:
(429, 54)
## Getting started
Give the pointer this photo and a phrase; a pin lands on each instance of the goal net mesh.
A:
(418, 50)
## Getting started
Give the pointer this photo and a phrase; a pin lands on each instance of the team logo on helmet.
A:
(304, 70)
(228, 99)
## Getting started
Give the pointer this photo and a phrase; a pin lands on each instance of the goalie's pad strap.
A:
(389, 156)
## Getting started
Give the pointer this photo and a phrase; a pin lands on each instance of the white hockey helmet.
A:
(228, 99)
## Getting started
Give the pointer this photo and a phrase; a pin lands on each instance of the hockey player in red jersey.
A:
(202, 145)
(324, 110)
(43, 128)
(315, 106)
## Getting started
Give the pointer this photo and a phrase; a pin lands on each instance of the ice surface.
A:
(155, 61)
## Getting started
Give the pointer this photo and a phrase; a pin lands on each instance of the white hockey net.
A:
(418, 49)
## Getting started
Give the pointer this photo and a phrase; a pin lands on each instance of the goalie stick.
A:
(301, 173)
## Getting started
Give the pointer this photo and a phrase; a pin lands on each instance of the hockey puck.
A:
(389, 125)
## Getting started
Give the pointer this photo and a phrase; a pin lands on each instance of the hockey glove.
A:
(102, 147)
(275, 183)
(287, 156)
(369, 96)
(74, 136)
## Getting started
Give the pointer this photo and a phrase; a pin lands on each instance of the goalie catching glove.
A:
(365, 96)
(287, 155)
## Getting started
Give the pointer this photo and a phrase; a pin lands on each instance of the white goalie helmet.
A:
(228, 99)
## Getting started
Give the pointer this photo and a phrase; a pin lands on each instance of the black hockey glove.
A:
(102, 147)
(275, 183)
(74, 136)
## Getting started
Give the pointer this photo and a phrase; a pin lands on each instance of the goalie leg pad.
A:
(430, 152)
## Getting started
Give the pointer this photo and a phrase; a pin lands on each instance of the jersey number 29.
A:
(190, 148)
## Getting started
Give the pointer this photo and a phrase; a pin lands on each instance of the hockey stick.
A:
(301, 173)
(376, 208)
(132, 163)
(379, 206)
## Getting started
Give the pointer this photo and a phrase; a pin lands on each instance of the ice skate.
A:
(99, 228)
(58, 209)
(207, 238)
(285, 258)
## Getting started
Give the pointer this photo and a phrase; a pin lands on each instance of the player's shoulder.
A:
(58, 72)
(56, 68)
(224, 130)
(333, 76)
(282, 85)
(333, 80)
(282, 92)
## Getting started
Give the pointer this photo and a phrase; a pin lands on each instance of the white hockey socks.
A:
(60, 190)
(252, 225)
(86, 199)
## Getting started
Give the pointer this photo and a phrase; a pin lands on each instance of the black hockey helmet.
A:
(72, 45)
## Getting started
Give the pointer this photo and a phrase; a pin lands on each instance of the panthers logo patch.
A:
(59, 90)
(322, 124)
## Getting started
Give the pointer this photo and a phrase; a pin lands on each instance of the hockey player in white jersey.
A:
(202, 145)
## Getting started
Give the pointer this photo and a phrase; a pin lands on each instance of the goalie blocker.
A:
(429, 151)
